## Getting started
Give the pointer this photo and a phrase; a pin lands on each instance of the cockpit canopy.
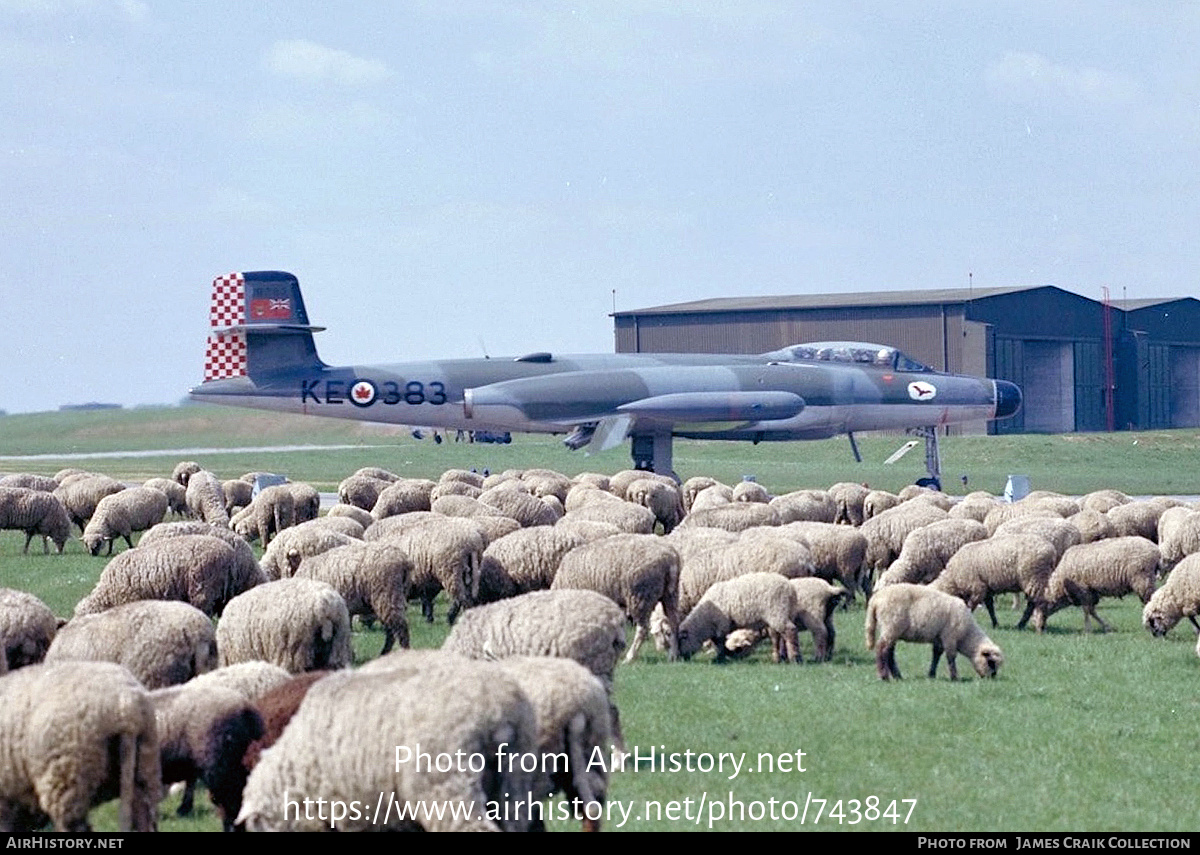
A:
(848, 352)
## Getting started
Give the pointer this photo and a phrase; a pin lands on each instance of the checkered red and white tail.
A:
(226, 352)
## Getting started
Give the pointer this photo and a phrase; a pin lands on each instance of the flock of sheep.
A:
(202, 660)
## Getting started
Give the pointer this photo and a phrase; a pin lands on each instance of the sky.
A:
(455, 177)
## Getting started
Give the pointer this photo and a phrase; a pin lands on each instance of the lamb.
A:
(1106, 568)
(35, 512)
(372, 578)
(297, 624)
(161, 642)
(205, 500)
(62, 726)
(27, 626)
(816, 600)
(197, 569)
(121, 514)
(636, 571)
(752, 600)
(1178, 598)
(907, 612)
(1002, 564)
(349, 723)
(203, 734)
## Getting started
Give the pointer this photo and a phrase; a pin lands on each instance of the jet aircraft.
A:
(261, 354)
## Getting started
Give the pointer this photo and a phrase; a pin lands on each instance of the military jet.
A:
(261, 354)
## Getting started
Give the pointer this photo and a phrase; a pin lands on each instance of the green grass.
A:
(1079, 732)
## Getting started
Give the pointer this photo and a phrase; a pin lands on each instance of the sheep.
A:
(80, 496)
(377, 473)
(514, 502)
(816, 600)
(363, 518)
(1061, 533)
(702, 569)
(752, 600)
(238, 494)
(454, 488)
(303, 540)
(121, 514)
(203, 734)
(161, 642)
(838, 553)
(306, 501)
(462, 475)
(1178, 535)
(35, 512)
(907, 612)
(1140, 518)
(278, 704)
(372, 578)
(245, 573)
(737, 516)
(636, 571)
(205, 500)
(750, 491)
(341, 742)
(253, 678)
(176, 494)
(41, 483)
(62, 726)
(1106, 568)
(525, 560)
(400, 497)
(927, 549)
(27, 627)
(1103, 500)
(692, 487)
(660, 498)
(183, 471)
(807, 505)
(198, 569)
(298, 624)
(878, 501)
(573, 624)
(628, 517)
(848, 497)
(885, 532)
(546, 482)
(272, 510)
(362, 491)
(1001, 564)
(1178, 598)
(619, 483)
(445, 555)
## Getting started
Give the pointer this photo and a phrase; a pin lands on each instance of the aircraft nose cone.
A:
(1008, 398)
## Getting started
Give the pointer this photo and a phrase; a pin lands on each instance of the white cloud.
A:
(1031, 77)
(307, 60)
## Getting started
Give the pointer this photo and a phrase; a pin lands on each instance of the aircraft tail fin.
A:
(258, 325)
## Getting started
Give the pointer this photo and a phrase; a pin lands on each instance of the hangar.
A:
(1084, 365)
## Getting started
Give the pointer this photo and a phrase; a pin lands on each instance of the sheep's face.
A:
(987, 660)
(93, 542)
(1158, 619)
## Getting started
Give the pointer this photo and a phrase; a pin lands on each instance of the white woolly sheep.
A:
(205, 500)
(272, 511)
(1139, 518)
(525, 560)
(927, 549)
(628, 517)
(636, 572)
(1061, 533)
(849, 498)
(203, 733)
(885, 532)
(659, 497)
(838, 553)
(61, 728)
(753, 601)
(1006, 563)
(905, 612)
(878, 501)
(516, 503)
(373, 579)
(43, 483)
(341, 742)
(1178, 598)
(751, 491)
(253, 678)
(805, 505)
(735, 516)
(363, 518)
(298, 624)
(692, 487)
(246, 572)
(306, 501)
(121, 514)
(35, 512)
(703, 568)
(27, 626)
(1093, 525)
(816, 600)
(403, 496)
(183, 471)
(198, 569)
(80, 495)
(1178, 535)
(1103, 500)
(446, 555)
(362, 491)
(161, 642)
(238, 494)
(1106, 568)
(298, 542)
(176, 494)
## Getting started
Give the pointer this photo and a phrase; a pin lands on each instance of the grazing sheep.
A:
(363, 518)
(735, 516)
(362, 491)
(1178, 598)
(272, 510)
(635, 571)
(301, 541)
(1106, 568)
(297, 624)
(42, 483)
(203, 734)
(1178, 535)
(445, 555)
(906, 612)
(703, 568)
(238, 494)
(121, 514)
(805, 505)
(1061, 533)
(838, 553)
(253, 678)
(849, 498)
(751, 491)
(526, 560)
(885, 532)
(545, 482)
(73, 735)
(1103, 500)
(403, 496)
(161, 642)
(628, 517)
(357, 735)
(878, 501)
(35, 512)
(752, 601)
(1139, 518)
(81, 494)
(661, 498)
(205, 500)
(927, 549)
(580, 625)
(372, 578)
(521, 506)
(1006, 563)
(246, 572)
(306, 502)
(198, 569)
(183, 471)
(816, 600)
(692, 487)
(27, 627)
(176, 494)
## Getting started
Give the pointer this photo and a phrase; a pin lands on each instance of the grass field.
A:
(1078, 733)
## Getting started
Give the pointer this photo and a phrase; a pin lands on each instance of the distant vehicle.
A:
(261, 354)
